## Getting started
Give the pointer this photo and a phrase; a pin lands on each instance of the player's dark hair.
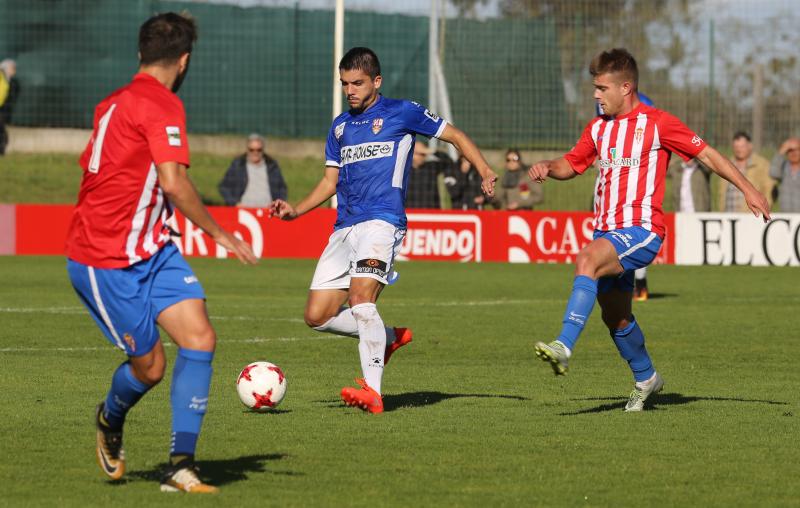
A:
(740, 135)
(363, 59)
(617, 60)
(165, 37)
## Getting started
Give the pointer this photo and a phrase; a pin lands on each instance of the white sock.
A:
(345, 324)
(640, 273)
(342, 323)
(371, 344)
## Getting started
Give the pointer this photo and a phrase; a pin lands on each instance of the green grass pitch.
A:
(472, 418)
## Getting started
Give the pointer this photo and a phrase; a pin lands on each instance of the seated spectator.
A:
(423, 181)
(785, 169)
(516, 191)
(691, 190)
(754, 167)
(253, 179)
(464, 186)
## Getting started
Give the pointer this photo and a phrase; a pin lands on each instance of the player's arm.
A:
(558, 169)
(570, 165)
(714, 160)
(324, 190)
(180, 191)
(467, 147)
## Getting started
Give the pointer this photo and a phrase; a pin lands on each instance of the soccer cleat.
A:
(640, 293)
(555, 354)
(183, 478)
(402, 337)
(641, 391)
(365, 398)
(109, 452)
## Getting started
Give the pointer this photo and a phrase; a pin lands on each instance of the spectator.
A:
(691, 191)
(754, 167)
(253, 179)
(9, 91)
(423, 181)
(516, 191)
(464, 186)
(785, 169)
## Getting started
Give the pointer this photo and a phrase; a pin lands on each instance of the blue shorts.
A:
(636, 248)
(125, 302)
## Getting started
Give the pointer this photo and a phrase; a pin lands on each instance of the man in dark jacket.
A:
(423, 182)
(253, 179)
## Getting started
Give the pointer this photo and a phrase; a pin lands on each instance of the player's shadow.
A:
(218, 472)
(392, 402)
(658, 296)
(662, 399)
(421, 399)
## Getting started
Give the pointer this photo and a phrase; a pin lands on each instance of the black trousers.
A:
(3, 138)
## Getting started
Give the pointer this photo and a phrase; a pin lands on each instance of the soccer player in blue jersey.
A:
(368, 159)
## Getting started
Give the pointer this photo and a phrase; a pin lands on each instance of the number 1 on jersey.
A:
(94, 162)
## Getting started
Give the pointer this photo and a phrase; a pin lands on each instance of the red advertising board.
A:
(518, 237)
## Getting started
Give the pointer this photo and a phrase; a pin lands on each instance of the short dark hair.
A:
(165, 37)
(740, 135)
(363, 59)
(616, 60)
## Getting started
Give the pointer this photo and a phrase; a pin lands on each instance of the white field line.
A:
(82, 310)
(253, 340)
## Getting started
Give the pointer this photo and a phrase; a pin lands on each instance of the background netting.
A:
(515, 70)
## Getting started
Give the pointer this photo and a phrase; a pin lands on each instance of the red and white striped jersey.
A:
(633, 152)
(121, 214)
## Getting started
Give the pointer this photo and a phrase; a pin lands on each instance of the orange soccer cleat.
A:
(365, 398)
(402, 337)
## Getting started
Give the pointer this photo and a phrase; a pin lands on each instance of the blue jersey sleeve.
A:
(418, 119)
(333, 152)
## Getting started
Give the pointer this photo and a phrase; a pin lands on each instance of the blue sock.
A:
(579, 306)
(191, 380)
(630, 343)
(125, 392)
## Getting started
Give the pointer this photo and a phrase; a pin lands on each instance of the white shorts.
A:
(366, 249)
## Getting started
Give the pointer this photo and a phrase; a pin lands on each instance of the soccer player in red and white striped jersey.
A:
(633, 143)
(122, 262)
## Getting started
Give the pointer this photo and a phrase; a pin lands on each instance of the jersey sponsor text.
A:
(367, 151)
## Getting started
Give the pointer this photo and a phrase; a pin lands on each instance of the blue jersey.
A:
(373, 151)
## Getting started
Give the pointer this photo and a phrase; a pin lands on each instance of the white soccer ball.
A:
(261, 386)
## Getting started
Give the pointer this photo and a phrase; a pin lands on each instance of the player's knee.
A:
(315, 318)
(584, 264)
(204, 339)
(208, 340)
(615, 322)
(151, 374)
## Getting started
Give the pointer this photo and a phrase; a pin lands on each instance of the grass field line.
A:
(43, 310)
(81, 310)
(466, 303)
(253, 340)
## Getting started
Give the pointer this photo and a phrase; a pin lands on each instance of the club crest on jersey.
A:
(638, 135)
(613, 154)
(339, 130)
(377, 125)
(173, 135)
